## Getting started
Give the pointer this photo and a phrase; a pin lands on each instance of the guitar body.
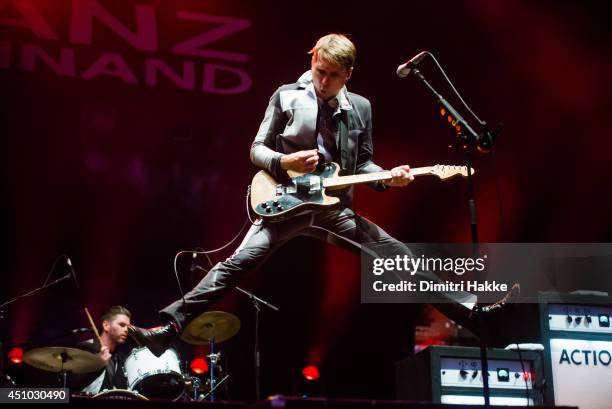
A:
(278, 201)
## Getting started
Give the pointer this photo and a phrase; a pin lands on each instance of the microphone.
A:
(72, 273)
(194, 266)
(404, 69)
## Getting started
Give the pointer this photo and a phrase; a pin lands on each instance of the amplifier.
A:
(449, 374)
(576, 332)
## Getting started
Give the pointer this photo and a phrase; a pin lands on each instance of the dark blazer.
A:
(290, 124)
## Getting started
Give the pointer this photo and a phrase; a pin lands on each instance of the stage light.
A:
(309, 384)
(199, 366)
(15, 355)
(311, 373)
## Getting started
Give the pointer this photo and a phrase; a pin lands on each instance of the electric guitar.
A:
(306, 191)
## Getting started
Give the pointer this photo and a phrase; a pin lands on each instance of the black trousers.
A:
(340, 226)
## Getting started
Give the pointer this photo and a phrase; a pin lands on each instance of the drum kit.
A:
(148, 376)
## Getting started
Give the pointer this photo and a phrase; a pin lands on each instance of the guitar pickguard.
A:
(301, 191)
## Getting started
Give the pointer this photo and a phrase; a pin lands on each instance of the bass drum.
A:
(118, 394)
(154, 377)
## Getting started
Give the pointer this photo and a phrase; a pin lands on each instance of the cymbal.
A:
(218, 324)
(75, 360)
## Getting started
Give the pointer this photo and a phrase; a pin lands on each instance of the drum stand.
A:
(195, 384)
(213, 358)
(211, 327)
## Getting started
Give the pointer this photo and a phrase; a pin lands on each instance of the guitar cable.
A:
(206, 253)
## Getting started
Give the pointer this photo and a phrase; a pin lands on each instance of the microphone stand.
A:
(12, 300)
(470, 140)
(256, 304)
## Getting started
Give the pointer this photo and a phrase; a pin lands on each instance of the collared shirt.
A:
(337, 104)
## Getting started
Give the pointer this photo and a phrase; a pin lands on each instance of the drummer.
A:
(115, 322)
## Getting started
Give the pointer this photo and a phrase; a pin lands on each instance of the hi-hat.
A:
(57, 359)
(219, 325)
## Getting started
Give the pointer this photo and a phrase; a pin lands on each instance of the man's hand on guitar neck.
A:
(301, 161)
(401, 176)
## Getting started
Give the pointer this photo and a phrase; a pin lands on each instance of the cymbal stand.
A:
(213, 358)
(63, 373)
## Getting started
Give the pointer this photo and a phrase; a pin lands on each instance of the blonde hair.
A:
(336, 49)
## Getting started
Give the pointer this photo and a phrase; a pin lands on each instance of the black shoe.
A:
(157, 339)
(503, 303)
(482, 318)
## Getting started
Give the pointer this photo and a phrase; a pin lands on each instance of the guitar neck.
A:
(371, 177)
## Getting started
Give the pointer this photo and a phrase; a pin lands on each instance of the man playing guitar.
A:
(307, 123)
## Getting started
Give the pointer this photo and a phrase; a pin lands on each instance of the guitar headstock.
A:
(449, 171)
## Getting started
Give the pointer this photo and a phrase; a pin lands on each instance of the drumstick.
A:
(95, 330)
(93, 326)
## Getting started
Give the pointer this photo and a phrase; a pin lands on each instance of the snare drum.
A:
(118, 394)
(154, 377)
